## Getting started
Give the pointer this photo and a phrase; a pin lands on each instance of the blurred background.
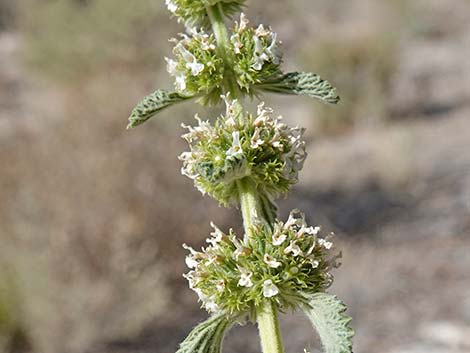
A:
(92, 217)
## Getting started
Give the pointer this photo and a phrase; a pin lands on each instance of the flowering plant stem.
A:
(248, 160)
(216, 16)
(268, 326)
(249, 204)
(268, 322)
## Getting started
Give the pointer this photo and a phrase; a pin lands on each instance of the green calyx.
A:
(284, 264)
(258, 148)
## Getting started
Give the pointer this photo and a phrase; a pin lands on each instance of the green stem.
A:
(250, 204)
(268, 326)
(216, 16)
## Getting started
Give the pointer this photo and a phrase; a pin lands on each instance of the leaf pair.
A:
(325, 311)
(299, 83)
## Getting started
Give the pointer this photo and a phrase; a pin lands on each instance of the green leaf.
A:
(207, 337)
(152, 104)
(326, 312)
(302, 83)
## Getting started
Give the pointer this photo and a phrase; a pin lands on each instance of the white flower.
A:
(237, 43)
(325, 243)
(217, 236)
(271, 261)
(220, 285)
(269, 289)
(245, 278)
(236, 149)
(196, 68)
(278, 237)
(191, 62)
(171, 66)
(308, 230)
(209, 304)
(180, 82)
(243, 22)
(191, 262)
(261, 31)
(294, 249)
(255, 139)
(293, 220)
(273, 50)
(193, 279)
(259, 55)
(171, 5)
(314, 263)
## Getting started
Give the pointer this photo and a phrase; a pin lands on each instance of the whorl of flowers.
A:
(193, 13)
(199, 69)
(196, 66)
(284, 264)
(257, 54)
(241, 146)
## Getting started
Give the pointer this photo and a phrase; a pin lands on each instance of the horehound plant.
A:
(247, 161)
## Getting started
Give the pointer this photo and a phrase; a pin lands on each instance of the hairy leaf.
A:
(302, 83)
(152, 104)
(207, 337)
(326, 312)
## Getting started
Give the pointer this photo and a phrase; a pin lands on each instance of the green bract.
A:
(258, 148)
(284, 264)
(193, 13)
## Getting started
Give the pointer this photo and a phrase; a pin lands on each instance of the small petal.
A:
(294, 249)
(236, 149)
(325, 243)
(191, 262)
(196, 68)
(271, 261)
(278, 237)
(269, 289)
(245, 278)
(220, 285)
(171, 5)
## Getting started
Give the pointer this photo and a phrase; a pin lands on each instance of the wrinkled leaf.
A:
(302, 83)
(326, 312)
(207, 337)
(152, 104)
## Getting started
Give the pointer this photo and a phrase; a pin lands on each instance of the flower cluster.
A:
(199, 69)
(239, 145)
(283, 264)
(257, 54)
(193, 13)
(196, 66)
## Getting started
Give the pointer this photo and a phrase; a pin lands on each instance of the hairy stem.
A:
(216, 17)
(268, 326)
(250, 203)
